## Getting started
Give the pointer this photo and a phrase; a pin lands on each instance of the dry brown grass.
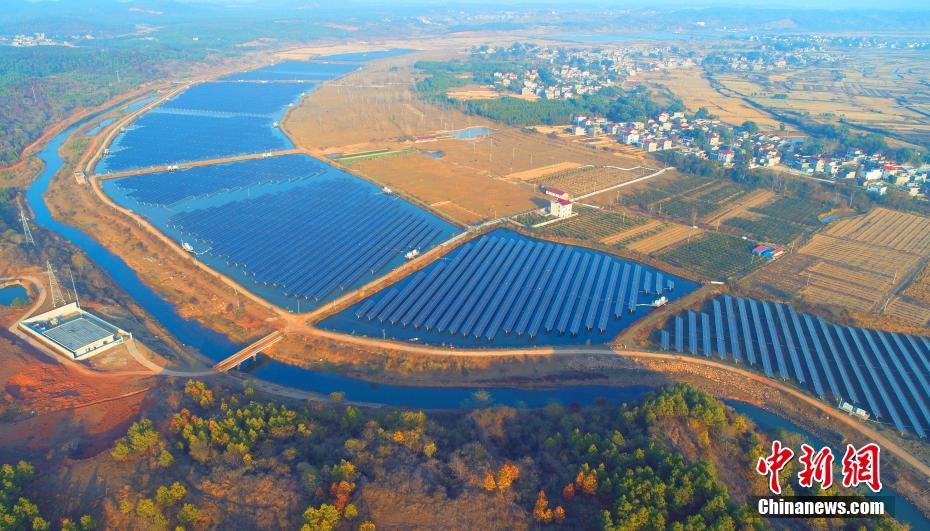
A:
(888, 228)
(542, 171)
(696, 91)
(861, 264)
(908, 312)
(671, 235)
(650, 225)
(741, 207)
(456, 191)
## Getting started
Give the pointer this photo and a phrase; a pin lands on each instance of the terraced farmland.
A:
(886, 374)
(505, 289)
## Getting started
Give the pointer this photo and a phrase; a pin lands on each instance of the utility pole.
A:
(26, 230)
(58, 299)
(77, 299)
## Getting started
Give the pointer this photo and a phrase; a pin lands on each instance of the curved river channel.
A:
(217, 347)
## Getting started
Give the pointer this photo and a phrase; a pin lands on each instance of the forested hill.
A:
(107, 47)
(677, 459)
(42, 85)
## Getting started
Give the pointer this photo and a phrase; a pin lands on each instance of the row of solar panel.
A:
(887, 373)
(312, 240)
(516, 286)
(167, 188)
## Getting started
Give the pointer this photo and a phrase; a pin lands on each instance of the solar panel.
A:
(647, 282)
(664, 339)
(634, 290)
(679, 334)
(621, 293)
(921, 355)
(731, 327)
(760, 336)
(525, 309)
(705, 334)
(499, 306)
(555, 293)
(547, 288)
(808, 357)
(903, 376)
(574, 302)
(876, 380)
(852, 361)
(692, 332)
(747, 333)
(490, 304)
(821, 356)
(718, 326)
(608, 301)
(838, 361)
(387, 298)
(911, 363)
(464, 286)
(473, 289)
(789, 343)
(594, 302)
(660, 283)
(476, 305)
(776, 343)
(890, 378)
(457, 267)
(570, 277)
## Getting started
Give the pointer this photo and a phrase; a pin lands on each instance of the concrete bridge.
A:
(249, 352)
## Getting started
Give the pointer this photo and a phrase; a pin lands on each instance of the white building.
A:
(560, 208)
(74, 332)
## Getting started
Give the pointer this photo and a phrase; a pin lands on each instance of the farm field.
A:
(696, 91)
(738, 207)
(458, 192)
(715, 255)
(504, 289)
(592, 224)
(671, 234)
(875, 89)
(860, 263)
(381, 96)
(584, 180)
(634, 233)
(881, 372)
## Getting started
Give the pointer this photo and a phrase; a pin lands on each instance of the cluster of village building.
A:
(702, 137)
(36, 39)
(567, 73)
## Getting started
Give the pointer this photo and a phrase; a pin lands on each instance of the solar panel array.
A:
(503, 285)
(295, 71)
(167, 188)
(884, 373)
(315, 240)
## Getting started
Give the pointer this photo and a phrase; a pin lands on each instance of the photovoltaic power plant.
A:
(316, 240)
(296, 71)
(509, 289)
(885, 374)
(235, 116)
(167, 188)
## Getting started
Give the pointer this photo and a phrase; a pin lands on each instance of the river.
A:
(216, 347)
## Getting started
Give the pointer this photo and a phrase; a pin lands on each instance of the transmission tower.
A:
(26, 230)
(58, 298)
